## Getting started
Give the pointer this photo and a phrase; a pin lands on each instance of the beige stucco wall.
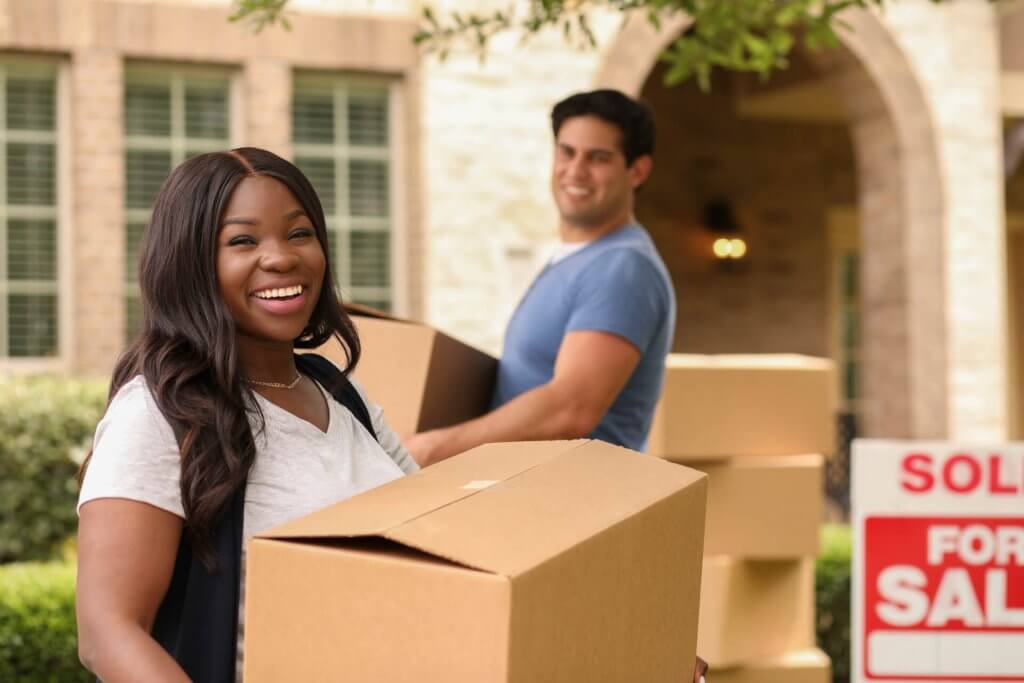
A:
(487, 152)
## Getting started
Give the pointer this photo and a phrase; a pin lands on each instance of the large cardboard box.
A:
(422, 378)
(802, 666)
(750, 610)
(526, 562)
(720, 406)
(764, 507)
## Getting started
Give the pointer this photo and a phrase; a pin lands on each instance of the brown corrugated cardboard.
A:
(764, 507)
(754, 609)
(802, 666)
(544, 561)
(719, 406)
(422, 378)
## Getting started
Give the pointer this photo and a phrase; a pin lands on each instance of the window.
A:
(170, 114)
(341, 138)
(28, 211)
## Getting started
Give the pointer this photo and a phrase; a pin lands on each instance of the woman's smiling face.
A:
(270, 264)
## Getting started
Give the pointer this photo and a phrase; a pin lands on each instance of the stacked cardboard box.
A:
(759, 426)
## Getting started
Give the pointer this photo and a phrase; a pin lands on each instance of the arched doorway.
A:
(886, 184)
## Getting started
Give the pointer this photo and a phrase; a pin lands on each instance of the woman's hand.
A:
(700, 668)
(426, 448)
(126, 553)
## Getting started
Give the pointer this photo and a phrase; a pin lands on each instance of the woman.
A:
(212, 433)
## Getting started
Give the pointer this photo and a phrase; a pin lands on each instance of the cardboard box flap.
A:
(776, 361)
(379, 510)
(521, 522)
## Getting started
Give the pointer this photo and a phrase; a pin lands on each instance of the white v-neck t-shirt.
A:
(298, 468)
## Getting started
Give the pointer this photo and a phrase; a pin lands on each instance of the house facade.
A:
(882, 217)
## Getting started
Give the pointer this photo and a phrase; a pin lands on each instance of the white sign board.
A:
(938, 577)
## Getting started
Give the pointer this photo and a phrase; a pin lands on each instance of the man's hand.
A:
(591, 369)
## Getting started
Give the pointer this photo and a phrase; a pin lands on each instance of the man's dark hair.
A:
(633, 119)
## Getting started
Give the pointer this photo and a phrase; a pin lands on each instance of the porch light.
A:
(726, 248)
(720, 219)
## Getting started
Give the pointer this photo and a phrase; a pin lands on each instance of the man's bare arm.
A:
(590, 371)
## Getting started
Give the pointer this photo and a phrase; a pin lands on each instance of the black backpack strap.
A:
(334, 380)
(197, 623)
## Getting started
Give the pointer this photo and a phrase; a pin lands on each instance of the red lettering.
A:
(918, 470)
(995, 484)
(973, 474)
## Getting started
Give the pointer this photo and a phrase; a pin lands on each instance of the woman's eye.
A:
(239, 240)
(300, 233)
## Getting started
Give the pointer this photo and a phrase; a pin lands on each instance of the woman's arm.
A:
(126, 554)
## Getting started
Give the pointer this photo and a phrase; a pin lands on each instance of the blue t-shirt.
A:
(615, 284)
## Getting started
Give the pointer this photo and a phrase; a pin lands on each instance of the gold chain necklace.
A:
(276, 385)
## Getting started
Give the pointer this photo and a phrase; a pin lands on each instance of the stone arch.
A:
(903, 281)
(1011, 62)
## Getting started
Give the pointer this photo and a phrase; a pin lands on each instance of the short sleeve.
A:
(135, 454)
(386, 437)
(623, 293)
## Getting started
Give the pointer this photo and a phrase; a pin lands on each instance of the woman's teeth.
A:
(279, 293)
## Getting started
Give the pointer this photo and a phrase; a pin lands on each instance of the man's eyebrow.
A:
(585, 150)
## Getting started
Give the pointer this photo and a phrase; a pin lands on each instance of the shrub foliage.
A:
(38, 638)
(44, 422)
(832, 597)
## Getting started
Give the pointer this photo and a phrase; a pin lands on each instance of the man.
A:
(585, 350)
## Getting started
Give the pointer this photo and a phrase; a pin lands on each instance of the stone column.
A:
(97, 258)
(954, 50)
(267, 105)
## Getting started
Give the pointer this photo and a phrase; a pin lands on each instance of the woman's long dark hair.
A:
(186, 349)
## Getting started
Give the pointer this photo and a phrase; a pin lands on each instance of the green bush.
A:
(38, 637)
(44, 422)
(832, 595)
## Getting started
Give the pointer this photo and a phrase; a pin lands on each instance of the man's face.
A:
(590, 181)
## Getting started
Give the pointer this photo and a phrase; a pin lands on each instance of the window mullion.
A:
(341, 190)
(178, 141)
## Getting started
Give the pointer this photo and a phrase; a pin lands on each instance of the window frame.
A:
(844, 241)
(178, 143)
(60, 213)
(341, 152)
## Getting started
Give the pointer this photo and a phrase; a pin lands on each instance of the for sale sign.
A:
(938, 562)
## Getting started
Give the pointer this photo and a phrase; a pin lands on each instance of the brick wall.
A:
(781, 178)
(100, 35)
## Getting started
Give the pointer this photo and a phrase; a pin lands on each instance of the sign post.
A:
(938, 576)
